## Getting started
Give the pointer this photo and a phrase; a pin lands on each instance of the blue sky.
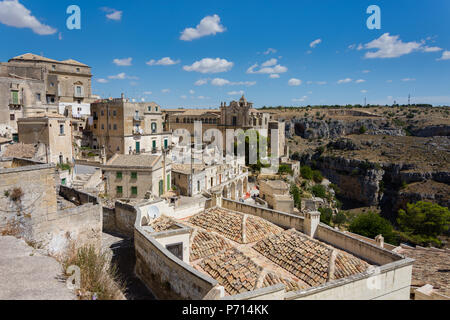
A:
(322, 51)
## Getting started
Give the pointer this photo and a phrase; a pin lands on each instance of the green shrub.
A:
(317, 176)
(371, 224)
(424, 221)
(319, 191)
(296, 194)
(326, 215)
(339, 218)
(306, 172)
(362, 130)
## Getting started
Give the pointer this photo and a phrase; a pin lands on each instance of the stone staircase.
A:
(80, 180)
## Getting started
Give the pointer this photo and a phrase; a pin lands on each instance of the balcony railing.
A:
(16, 102)
(78, 95)
(138, 132)
(138, 118)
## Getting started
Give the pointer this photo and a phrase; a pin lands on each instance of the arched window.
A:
(154, 127)
(178, 120)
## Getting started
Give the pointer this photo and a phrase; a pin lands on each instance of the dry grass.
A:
(12, 228)
(99, 279)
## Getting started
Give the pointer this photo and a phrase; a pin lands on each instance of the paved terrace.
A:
(244, 253)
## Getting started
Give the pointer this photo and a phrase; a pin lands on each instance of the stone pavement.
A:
(26, 274)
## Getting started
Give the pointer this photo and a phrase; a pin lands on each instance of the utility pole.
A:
(409, 99)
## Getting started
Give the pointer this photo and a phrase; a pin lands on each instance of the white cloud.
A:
(431, 49)
(445, 55)
(352, 46)
(315, 43)
(360, 81)
(274, 69)
(166, 61)
(122, 76)
(270, 63)
(60, 37)
(347, 80)
(202, 97)
(113, 14)
(274, 76)
(209, 65)
(165, 90)
(101, 80)
(270, 50)
(321, 83)
(365, 71)
(363, 91)
(218, 82)
(147, 93)
(209, 25)
(302, 99)
(191, 91)
(235, 93)
(389, 81)
(390, 47)
(14, 14)
(201, 82)
(123, 62)
(183, 97)
(294, 82)
(408, 79)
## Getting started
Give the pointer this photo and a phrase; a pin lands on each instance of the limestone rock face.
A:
(331, 129)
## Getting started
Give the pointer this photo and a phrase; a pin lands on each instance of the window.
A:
(115, 126)
(118, 148)
(149, 109)
(156, 109)
(114, 113)
(161, 188)
(95, 126)
(198, 186)
(102, 113)
(134, 175)
(53, 67)
(52, 84)
(134, 191)
(103, 127)
(61, 129)
(63, 181)
(234, 121)
(15, 97)
(119, 189)
(78, 69)
(154, 144)
(176, 250)
(78, 91)
(38, 97)
(154, 127)
(166, 144)
(12, 117)
(119, 175)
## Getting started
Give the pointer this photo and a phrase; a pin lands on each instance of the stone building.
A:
(126, 127)
(276, 193)
(31, 84)
(237, 115)
(54, 132)
(229, 178)
(143, 176)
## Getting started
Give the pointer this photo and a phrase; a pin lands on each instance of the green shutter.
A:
(166, 144)
(134, 191)
(134, 175)
(119, 189)
(15, 97)
(168, 182)
(161, 188)
(119, 175)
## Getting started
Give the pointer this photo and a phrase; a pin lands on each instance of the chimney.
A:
(380, 240)
(312, 220)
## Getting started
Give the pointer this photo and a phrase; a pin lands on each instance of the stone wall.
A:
(165, 275)
(36, 214)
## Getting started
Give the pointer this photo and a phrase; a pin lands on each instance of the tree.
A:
(371, 224)
(424, 221)
(339, 218)
(285, 169)
(319, 191)
(317, 176)
(296, 194)
(325, 215)
(306, 172)
(362, 130)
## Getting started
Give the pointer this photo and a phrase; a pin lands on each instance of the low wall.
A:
(391, 282)
(78, 196)
(282, 219)
(165, 275)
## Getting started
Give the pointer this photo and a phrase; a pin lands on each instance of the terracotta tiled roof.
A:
(20, 150)
(431, 266)
(133, 160)
(231, 225)
(308, 259)
(272, 279)
(233, 270)
(205, 244)
(163, 223)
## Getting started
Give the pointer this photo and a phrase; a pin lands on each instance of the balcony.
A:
(15, 103)
(138, 131)
(78, 95)
(138, 118)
